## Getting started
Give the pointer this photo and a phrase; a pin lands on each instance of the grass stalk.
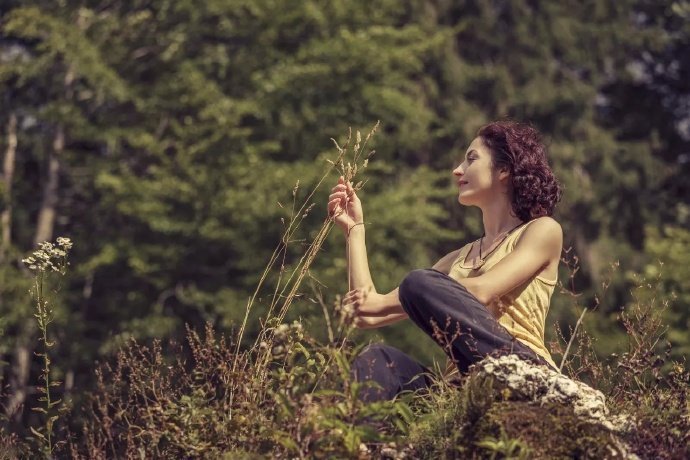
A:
(291, 285)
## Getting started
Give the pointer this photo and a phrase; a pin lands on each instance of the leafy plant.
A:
(504, 447)
(48, 260)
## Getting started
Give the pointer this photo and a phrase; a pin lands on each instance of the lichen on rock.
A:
(541, 384)
(515, 379)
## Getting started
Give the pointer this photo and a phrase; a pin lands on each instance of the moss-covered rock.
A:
(492, 416)
(513, 429)
(549, 431)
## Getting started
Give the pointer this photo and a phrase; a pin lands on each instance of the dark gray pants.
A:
(450, 315)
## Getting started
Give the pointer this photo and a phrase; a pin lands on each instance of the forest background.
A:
(165, 138)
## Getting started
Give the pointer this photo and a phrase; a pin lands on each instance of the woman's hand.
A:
(361, 303)
(344, 206)
(368, 309)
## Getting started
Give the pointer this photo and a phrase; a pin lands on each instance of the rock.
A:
(526, 381)
(513, 408)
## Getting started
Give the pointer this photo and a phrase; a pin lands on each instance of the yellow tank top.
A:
(521, 311)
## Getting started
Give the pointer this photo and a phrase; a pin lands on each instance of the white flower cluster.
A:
(284, 336)
(50, 257)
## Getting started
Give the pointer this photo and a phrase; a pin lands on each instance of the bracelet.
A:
(350, 229)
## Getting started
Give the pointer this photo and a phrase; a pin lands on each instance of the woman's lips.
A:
(462, 182)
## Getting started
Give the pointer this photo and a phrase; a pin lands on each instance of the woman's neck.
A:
(498, 219)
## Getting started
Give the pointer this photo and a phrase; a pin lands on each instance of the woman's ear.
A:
(503, 174)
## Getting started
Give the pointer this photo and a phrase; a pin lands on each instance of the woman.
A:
(489, 297)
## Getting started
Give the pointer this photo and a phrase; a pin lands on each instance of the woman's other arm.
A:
(539, 246)
(374, 310)
(373, 322)
(446, 262)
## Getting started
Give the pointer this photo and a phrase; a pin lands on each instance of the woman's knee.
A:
(371, 360)
(375, 352)
(415, 283)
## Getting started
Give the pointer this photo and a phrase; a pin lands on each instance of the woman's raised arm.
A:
(346, 209)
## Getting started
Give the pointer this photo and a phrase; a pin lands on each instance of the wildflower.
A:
(49, 257)
(64, 242)
(281, 331)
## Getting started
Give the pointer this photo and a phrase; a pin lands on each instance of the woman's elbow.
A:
(485, 298)
(476, 291)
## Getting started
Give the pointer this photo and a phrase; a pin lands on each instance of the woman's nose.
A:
(458, 171)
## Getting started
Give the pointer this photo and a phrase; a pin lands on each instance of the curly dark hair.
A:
(519, 148)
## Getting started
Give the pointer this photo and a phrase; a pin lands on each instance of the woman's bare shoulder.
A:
(445, 262)
(545, 225)
(544, 229)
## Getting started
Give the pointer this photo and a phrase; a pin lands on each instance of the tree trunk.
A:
(7, 175)
(47, 212)
(22, 356)
(44, 232)
(20, 374)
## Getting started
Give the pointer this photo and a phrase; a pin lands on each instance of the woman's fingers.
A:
(343, 187)
(337, 201)
(340, 199)
(337, 198)
(354, 297)
(351, 193)
(349, 298)
(341, 195)
(334, 207)
(339, 188)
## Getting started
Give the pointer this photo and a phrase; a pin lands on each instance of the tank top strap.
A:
(462, 254)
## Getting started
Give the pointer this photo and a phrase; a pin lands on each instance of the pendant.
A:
(478, 266)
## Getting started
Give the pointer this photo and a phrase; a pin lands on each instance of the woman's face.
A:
(476, 177)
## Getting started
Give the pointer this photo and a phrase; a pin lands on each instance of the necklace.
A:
(481, 240)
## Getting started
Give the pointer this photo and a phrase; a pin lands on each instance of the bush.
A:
(218, 403)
